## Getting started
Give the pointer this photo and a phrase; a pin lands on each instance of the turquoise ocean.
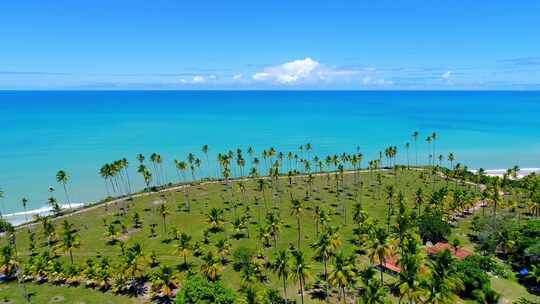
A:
(42, 132)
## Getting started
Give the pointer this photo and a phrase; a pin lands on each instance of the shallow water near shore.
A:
(76, 131)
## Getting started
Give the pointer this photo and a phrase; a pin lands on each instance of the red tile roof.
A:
(391, 263)
(460, 253)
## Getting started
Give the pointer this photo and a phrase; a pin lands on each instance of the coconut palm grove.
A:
(283, 227)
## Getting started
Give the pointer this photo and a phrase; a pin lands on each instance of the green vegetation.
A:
(296, 235)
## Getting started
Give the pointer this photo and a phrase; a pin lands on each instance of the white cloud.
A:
(446, 75)
(198, 79)
(238, 77)
(301, 70)
(369, 81)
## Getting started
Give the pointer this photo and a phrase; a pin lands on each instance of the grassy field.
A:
(234, 200)
(48, 293)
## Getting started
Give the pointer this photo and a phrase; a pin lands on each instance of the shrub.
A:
(432, 225)
(198, 290)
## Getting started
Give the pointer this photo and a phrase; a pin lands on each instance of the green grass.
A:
(205, 196)
(47, 293)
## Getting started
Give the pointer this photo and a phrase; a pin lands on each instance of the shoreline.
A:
(24, 219)
(93, 205)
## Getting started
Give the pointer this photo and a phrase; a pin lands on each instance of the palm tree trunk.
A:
(285, 289)
(67, 196)
(302, 289)
(299, 231)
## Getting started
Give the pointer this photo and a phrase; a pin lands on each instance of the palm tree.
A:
(301, 270)
(444, 281)
(389, 209)
(415, 138)
(62, 177)
(211, 266)
(379, 248)
(24, 202)
(164, 212)
(70, 239)
(373, 290)
(8, 262)
(223, 247)
(282, 267)
(2, 201)
(215, 218)
(205, 150)
(343, 273)
(146, 175)
(429, 140)
(419, 200)
(140, 158)
(183, 247)
(164, 282)
(434, 137)
(451, 159)
(407, 147)
(411, 262)
(297, 210)
(326, 247)
(274, 225)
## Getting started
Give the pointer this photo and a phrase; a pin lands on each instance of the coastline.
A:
(83, 207)
(23, 219)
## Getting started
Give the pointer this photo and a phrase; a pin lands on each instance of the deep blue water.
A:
(42, 132)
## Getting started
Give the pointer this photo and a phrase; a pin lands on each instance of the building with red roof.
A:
(391, 262)
(440, 246)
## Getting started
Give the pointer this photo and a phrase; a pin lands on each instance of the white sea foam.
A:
(17, 218)
(500, 172)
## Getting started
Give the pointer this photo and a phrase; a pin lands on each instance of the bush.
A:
(472, 271)
(432, 225)
(198, 290)
(5, 226)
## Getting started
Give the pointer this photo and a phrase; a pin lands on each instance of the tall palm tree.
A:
(70, 239)
(283, 268)
(205, 149)
(302, 270)
(146, 175)
(451, 159)
(419, 200)
(164, 212)
(415, 138)
(434, 137)
(444, 282)
(379, 248)
(183, 247)
(407, 147)
(24, 202)
(389, 209)
(326, 246)
(373, 290)
(2, 206)
(297, 210)
(429, 141)
(411, 263)
(140, 158)
(343, 273)
(62, 177)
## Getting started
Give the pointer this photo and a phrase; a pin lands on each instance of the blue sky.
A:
(270, 44)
